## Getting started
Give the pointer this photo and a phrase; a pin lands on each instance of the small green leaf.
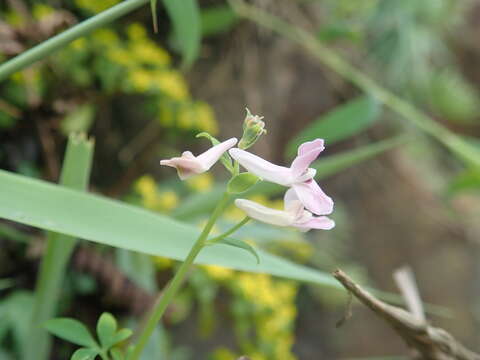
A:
(106, 328)
(241, 183)
(71, 330)
(240, 244)
(116, 354)
(122, 335)
(225, 159)
(185, 17)
(339, 124)
(84, 354)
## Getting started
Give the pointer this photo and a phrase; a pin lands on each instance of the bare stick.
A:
(428, 342)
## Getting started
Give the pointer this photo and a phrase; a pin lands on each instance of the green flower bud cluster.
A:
(253, 128)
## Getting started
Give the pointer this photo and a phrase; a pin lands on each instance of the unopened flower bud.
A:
(253, 128)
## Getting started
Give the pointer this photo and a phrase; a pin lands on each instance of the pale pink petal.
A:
(186, 165)
(262, 168)
(317, 144)
(265, 214)
(321, 222)
(292, 204)
(313, 198)
(307, 153)
(211, 156)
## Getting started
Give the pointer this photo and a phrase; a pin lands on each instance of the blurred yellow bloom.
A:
(106, 37)
(171, 83)
(168, 200)
(163, 263)
(149, 53)
(140, 79)
(200, 183)
(120, 56)
(136, 31)
(218, 272)
(79, 44)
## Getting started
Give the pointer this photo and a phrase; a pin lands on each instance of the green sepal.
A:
(241, 183)
(225, 159)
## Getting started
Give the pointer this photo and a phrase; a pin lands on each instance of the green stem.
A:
(47, 47)
(236, 168)
(358, 78)
(166, 297)
(229, 232)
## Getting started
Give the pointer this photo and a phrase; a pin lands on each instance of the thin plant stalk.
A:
(230, 231)
(342, 67)
(167, 296)
(55, 43)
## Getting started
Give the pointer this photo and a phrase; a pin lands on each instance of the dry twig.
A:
(428, 342)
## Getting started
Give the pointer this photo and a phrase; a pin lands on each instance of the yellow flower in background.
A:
(168, 200)
(95, 6)
(79, 44)
(218, 272)
(136, 31)
(105, 37)
(147, 52)
(153, 199)
(140, 79)
(163, 263)
(171, 83)
(200, 183)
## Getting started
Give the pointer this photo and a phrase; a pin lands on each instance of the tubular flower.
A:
(293, 214)
(298, 176)
(188, 164)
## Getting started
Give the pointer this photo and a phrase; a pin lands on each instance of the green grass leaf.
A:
(339, 124)
(185, 17)
(71, 330)
(56, 208)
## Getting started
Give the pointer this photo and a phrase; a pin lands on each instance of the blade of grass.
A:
(75, 174)
(47, 47)
(325, 55)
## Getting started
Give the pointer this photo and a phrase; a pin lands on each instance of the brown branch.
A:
(428, 342)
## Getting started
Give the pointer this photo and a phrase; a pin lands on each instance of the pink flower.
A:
(188, 165)
(293, 214)
(298, 176)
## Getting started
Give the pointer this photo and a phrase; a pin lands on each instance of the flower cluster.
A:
(305, 204)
